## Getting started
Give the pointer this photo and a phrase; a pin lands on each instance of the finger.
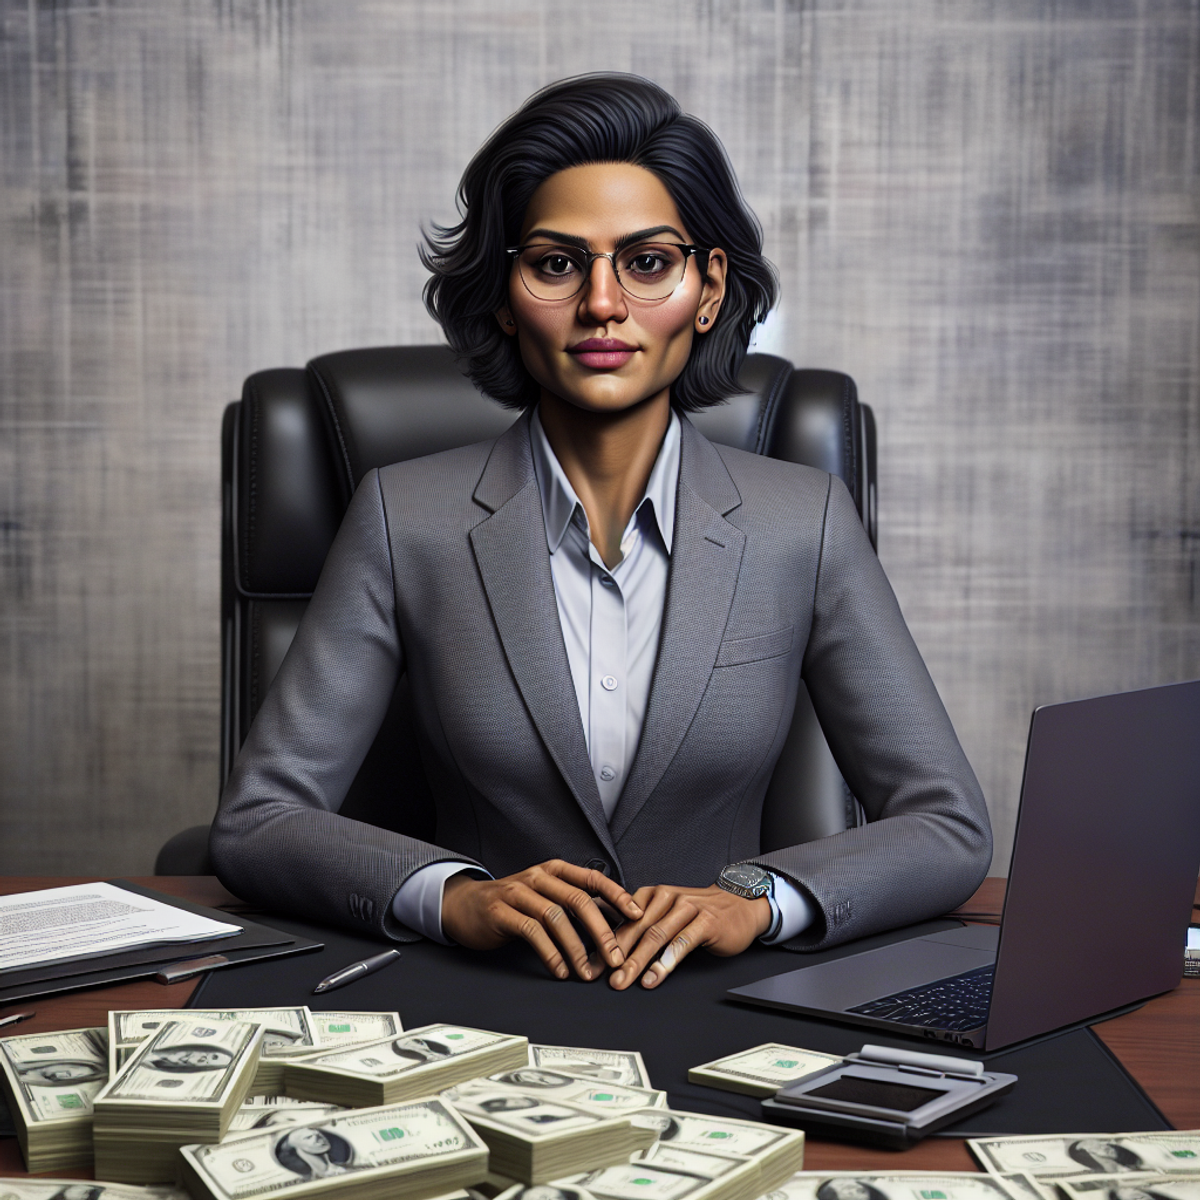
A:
(597, 883)
(655, 902)
(551, 915)
(589, 916)
(653, 941)
(679, 947)
(514, 924)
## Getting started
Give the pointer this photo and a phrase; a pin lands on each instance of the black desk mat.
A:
(1069, 1083)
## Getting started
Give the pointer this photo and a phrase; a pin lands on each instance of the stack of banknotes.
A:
(290, 1033)
(422, 1062)
(180, 1086)
(49, 1082)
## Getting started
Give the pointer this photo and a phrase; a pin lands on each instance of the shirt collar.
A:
(559, 500)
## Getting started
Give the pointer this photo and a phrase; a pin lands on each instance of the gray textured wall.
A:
(988, 213)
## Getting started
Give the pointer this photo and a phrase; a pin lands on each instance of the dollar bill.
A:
(1048, 1157)
(275, 1112)
(54, 1076)
(762, 1070)
(74, 1189)
(343, 1028)
(891, 1185)
(626, 1181)
(701, 1132)
(190, 1061)
(1028, 1188)
(1131, 1186)
(605, 1066)
(556, 1086)
(531, 1117)
(287, 1030)
(411, 1148)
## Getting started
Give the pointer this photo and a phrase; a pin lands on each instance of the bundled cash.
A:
(73, 1189)
(352, 1028)
(400, 1151)
(1060, 1155)
(1131, 1186)
(604, 1066)
(287, 1032)
(181, 1085)
(422, 1061)
(763, 1070)
(555, 1086)
(893, 1185)
(50, 1080)
(536, 1138)
(275, 1112)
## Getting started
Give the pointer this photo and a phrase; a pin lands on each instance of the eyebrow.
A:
(625, 239)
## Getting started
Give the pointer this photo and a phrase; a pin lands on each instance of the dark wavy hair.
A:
(594, 118)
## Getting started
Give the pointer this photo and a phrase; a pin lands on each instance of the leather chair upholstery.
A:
(300, 440)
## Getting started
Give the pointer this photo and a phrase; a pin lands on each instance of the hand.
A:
(533, 904)
(676, 920)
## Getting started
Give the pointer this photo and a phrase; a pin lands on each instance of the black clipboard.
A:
(255, 942)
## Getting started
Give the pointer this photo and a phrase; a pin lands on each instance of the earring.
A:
(509, 321)
(703, 320)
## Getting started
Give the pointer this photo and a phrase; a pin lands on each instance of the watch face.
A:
(746, 876)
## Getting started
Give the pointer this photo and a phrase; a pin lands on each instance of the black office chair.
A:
(299, 441)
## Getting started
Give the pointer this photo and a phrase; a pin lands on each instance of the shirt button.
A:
(607, 581)
(607, 774)
(609, 683)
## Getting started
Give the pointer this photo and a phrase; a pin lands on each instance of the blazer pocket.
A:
(753, 649)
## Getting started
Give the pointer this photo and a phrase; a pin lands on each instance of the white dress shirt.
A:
(611, 620)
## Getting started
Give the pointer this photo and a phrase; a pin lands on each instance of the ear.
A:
(713, 291)
(505, 317)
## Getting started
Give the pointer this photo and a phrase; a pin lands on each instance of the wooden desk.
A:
(1159, 1044)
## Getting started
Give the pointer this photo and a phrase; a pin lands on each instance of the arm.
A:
(278, 839)
(927, 843)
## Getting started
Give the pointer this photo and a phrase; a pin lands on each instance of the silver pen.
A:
(17, 1017)
(357, 970)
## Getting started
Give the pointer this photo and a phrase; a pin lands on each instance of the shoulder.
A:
(442, 481)
(755, 473)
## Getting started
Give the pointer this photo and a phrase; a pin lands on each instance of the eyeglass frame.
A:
(690, 251)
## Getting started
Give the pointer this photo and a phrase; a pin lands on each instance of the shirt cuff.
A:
(791, 910)
(418, 903)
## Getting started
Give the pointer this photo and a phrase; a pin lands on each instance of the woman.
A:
(603, 617)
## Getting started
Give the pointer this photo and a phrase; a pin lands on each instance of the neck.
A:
(608, 457)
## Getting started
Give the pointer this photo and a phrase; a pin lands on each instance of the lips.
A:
(602, 353)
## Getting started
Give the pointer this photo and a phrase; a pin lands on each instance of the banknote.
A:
(427, 1045)
(74, 1189)
(891, 1185)
(275, 1112)
(626, 1181)
(604, 1066)
(555, 1085)
(342, 1028)
(762, 1070)
(191, 1061)
(1131, 1186)
(287, 1030)
(1046, 1157)
(54, 1076)
(530, 1116)
(422, 1141)
(1026, 1187)
(701, 1132)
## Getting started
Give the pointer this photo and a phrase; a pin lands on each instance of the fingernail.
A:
(618, 977)
(649, 979)
(561, 972)
(616, 957)
(586, 971)
(635, 909)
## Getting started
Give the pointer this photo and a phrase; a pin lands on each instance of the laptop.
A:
(1100, 891)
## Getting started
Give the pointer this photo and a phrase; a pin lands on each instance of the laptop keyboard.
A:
(960, 1002)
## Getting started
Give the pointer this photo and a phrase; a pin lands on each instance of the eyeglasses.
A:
(646, 271)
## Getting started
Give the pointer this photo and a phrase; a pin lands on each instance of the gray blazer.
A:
(441, 570)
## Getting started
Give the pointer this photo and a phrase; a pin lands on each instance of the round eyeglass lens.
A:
(647, 271)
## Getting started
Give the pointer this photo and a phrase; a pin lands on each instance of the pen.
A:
(356, 971)
(16, 1017)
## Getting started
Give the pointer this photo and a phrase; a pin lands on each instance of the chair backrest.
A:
(300, 440)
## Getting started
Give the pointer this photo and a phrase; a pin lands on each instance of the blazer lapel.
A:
(706, 557)
(510, 551)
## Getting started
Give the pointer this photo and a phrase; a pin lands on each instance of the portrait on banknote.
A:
(315, 1153)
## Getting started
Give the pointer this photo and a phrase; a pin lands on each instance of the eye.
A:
(554, 264)
(650, 262)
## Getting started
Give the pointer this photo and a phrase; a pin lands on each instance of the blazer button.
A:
(598, 864)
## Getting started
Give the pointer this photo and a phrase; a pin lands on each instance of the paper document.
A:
(85, 920)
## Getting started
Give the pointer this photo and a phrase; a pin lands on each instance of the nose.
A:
(602, 298)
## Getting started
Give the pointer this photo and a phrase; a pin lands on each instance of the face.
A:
(312, 1140)
(196, 1058)
(603, 350)
(65, 1072)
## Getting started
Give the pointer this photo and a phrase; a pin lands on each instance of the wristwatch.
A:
(751, 882)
